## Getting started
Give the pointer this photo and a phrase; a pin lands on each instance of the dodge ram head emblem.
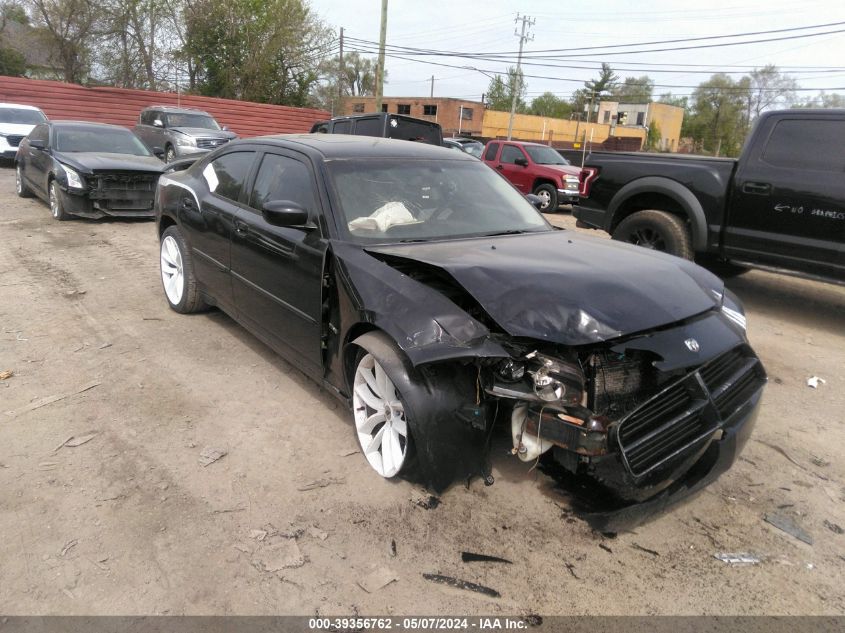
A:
(692, 345)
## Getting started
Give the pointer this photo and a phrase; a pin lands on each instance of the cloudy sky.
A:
(563, 30)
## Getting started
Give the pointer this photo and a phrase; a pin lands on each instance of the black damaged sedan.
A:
(89, 170)
(423, 290)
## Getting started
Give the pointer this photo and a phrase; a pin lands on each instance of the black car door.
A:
(787, 205)
(36, 163)
(209, 227)
(277, 270)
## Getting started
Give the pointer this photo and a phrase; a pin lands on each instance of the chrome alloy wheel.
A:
(379, 418)
(545, 197)
(172, 270)
(55, 207)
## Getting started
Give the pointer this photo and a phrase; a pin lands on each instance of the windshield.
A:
(545, 155)
(106, 140)
(21, 117)
(418, 200)
(192, 120)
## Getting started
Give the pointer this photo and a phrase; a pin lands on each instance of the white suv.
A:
(16, 122)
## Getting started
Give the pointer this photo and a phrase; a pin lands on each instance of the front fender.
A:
(671, 189)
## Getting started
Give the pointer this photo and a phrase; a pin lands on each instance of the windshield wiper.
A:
(508, 232)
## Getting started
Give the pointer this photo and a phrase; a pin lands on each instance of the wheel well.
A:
(645, 201)
(542, 181)
(163, 224)
(349, 351)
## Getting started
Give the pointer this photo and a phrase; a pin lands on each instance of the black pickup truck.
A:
(780, 206)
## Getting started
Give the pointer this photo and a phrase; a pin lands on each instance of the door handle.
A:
(757, 188)
(241, 228)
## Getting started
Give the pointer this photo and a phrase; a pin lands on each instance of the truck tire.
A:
(657, 230)
(548, 194)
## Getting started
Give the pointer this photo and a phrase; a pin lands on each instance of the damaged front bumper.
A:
(87, 205)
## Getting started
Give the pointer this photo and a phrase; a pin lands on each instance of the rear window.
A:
(807, 144)
(366, 127)
(413, 131)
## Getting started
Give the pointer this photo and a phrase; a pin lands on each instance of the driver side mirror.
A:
(158, 123)
(521, 161)
(225, 128)
(536, 201)
(284, 213)
(39, 144)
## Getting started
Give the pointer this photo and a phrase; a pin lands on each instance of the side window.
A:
(227, 174)
(805, 144)
(144, 117)
(282, 178)
(510, 153)
(490, 154)
(343, 127)
(371, 126)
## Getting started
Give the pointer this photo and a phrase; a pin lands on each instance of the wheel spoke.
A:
(399, 425)
(362, 390)
(370, 423)
(367, 375)
(395, 448)
(375, 442)
(386, 389)
(387, 454)
(172, 251)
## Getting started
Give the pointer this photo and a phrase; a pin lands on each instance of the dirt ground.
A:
(290, 520)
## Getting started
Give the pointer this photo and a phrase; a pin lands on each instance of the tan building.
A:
(457, 117)
(557, 132)
(627, 116)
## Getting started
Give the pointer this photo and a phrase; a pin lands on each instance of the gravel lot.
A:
(289, 521)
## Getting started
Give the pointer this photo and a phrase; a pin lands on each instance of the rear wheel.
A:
(657, 230)
(20, 185)
(548, 194)
(57, 209)
(382, 418)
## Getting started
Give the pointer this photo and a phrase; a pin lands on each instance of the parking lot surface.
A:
(108, 504)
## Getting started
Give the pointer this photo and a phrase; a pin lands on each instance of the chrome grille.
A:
(683, 416)
(14, 139)
(210, 143)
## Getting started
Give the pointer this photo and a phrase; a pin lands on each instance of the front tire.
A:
(57, 209)
(548, 194)
(383, 421)
(20, 184)
(177, 273)
(657, 230)
(169, 154)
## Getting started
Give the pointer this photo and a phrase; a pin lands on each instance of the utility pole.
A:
(432, 86)
(526, 22)
(380, 68)
(340, 75)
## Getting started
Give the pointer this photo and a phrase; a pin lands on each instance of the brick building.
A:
(457, 117)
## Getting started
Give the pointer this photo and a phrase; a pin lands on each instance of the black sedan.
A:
(87, 169)
(424, 290)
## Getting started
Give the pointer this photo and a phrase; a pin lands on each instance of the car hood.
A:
(201, 132)
(568, 170)
(564, 287)
(90, 162)
(16, 129)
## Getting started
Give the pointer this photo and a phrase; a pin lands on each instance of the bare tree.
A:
(68, 27)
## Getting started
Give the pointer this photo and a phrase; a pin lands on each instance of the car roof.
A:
(19, 106)
(331, 146)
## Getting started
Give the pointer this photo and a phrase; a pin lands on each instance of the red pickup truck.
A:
(535, 168)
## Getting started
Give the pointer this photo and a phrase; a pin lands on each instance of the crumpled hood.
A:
(90, 162)
(201, 132)
(568, 288)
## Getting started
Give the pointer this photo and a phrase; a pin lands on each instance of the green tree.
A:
(652, 141)
(548, 105)
(633, 90)
(670, 99)
(822, 100)
(256, 50)
(500, 91)
(717, 115)
(12, 62)
(767, 88)
(356, 78)
(593, 91)
(67, 28)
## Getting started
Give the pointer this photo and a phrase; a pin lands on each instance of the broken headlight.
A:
(556, 379)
